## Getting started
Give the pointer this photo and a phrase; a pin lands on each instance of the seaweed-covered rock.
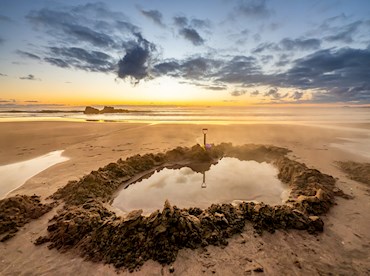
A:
(18, 210)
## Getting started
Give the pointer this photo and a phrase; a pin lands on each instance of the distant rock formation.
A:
(106, 109)
(91, 110)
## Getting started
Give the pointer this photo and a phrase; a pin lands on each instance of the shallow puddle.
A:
(15, 175)
(228, 181)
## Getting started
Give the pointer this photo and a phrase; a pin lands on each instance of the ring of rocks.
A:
(87, 225)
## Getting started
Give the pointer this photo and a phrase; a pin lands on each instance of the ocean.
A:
(197, 115)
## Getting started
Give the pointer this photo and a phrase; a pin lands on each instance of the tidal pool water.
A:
(230, 180)
(14, 175)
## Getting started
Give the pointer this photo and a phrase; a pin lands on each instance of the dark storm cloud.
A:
(256, 9)
(27, 55)
(154, 15)
(344, 74)
(137, 61)
(87, 33)
(331, 67)
(29, 77)
(333, 73)
(288, 44)
(93, 61)
(192, 35)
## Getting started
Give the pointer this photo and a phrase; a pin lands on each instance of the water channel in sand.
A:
(15, 175)
(227, 181)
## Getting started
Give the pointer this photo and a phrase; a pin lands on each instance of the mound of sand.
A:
(356, 171)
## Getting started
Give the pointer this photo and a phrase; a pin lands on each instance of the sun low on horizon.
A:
(184, 53)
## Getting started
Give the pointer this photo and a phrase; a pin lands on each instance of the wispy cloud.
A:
(28, 55)
(187, 29)
(4, 18)
(29, 77)
(192, 35)
(237, 93)
(288, 44)
(154, 15)
(256, 9)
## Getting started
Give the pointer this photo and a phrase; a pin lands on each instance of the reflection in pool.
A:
(227, 181)
(14, 175)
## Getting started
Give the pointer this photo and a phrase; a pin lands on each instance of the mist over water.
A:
(173, 114)
(229, 180)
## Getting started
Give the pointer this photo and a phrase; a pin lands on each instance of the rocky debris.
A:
(72, 224)
(311, 190)
(87, 226)
(357, 171)
(18, 210)
(128, 242)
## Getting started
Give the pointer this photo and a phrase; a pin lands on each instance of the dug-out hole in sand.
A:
(90, 227)
(230, 180)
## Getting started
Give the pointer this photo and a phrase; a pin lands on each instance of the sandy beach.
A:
(342, 249)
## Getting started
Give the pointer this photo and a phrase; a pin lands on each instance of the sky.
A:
(209, 52)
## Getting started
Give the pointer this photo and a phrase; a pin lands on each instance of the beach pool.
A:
(228, 181)
(14, 175)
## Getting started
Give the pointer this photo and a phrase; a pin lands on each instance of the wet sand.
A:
(341, 249)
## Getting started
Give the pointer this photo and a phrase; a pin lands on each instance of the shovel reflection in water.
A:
(204, 185)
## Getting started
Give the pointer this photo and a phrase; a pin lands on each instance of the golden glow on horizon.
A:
(98, 89)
